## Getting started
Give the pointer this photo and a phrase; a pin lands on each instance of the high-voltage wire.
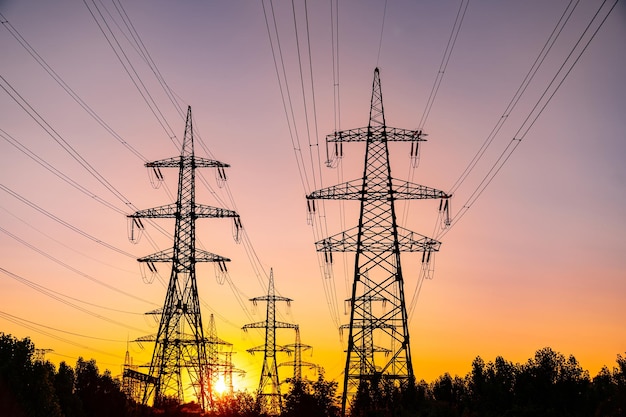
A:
(64, 223)
(456, 28)
(28, 47)
(382, 31)
(318, 227)
(250, 252)
(71, 268)
(23, 320)
(33, 53)
(6, 86)
(33, 326)
(130, 69)
(61, 298)
(530, 75)
(445, 60)
(553, 86)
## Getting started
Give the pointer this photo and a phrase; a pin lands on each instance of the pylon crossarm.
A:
(270, 298)
(376, 133)
(147, 338)
(167, 255)
(351, 190)
(205, 256)
(408, 241)
(166, 211)
(262, 348)
(283, 325)
(257, 325)
(405, 190)
(204, 211)
(188, 160)
(139, 376)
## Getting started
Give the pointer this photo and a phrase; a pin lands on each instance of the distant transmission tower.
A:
(268, 393)
(298, 347)
(180, 356)
(216, 368)
(378, 342)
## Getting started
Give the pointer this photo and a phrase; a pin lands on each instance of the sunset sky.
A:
(93, 90)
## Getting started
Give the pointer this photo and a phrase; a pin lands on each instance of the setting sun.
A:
(220, 387)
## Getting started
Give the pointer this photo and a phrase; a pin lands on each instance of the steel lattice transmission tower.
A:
(180, 356)
(216, 367)
(268, 393)
(297, 348)
(378, 342)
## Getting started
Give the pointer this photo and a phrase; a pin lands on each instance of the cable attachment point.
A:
(444, 211)
(135, 229)
(220, 272)
(415, 154)
(332, 162)
(148, 271)
(237, 229)
(220, 176)
(310, 204)
(156, 177)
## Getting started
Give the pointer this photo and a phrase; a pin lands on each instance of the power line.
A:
(547, 95)
(33, 53)
(71, 268)
(60, 140)
(61, 298)
(530, 75)
(382, 31)
(31, 325)
(130, 70)
(456, 28)
(64, 223)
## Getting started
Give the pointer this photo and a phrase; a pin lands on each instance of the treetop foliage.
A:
(547, 385)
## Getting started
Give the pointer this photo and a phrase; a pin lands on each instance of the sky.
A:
(534, 259)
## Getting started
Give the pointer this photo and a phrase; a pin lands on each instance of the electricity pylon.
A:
(377, 242)
(268, 393)
(179, 356)
(217, 368)
(298, 347)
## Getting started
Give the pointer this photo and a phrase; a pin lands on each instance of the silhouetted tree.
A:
(71, 405)
(238, 404)
(325, 394)
(28, 383)
(311, 398)
(100, 395)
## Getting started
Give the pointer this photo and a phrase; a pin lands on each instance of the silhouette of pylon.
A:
(179, 355)
(268, 393)
(378, 341)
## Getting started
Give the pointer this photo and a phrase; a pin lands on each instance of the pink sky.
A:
(536, 261)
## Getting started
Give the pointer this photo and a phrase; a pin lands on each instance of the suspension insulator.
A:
(311, 205)
(156, 177)
(236, 228)
(220, 176)
(135, 229)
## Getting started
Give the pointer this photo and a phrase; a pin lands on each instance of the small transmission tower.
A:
(216, 368)
(378, 342)
(268, 393)
(298, 347)
(180, 355)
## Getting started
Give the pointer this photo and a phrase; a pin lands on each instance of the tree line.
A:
(547, 385)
